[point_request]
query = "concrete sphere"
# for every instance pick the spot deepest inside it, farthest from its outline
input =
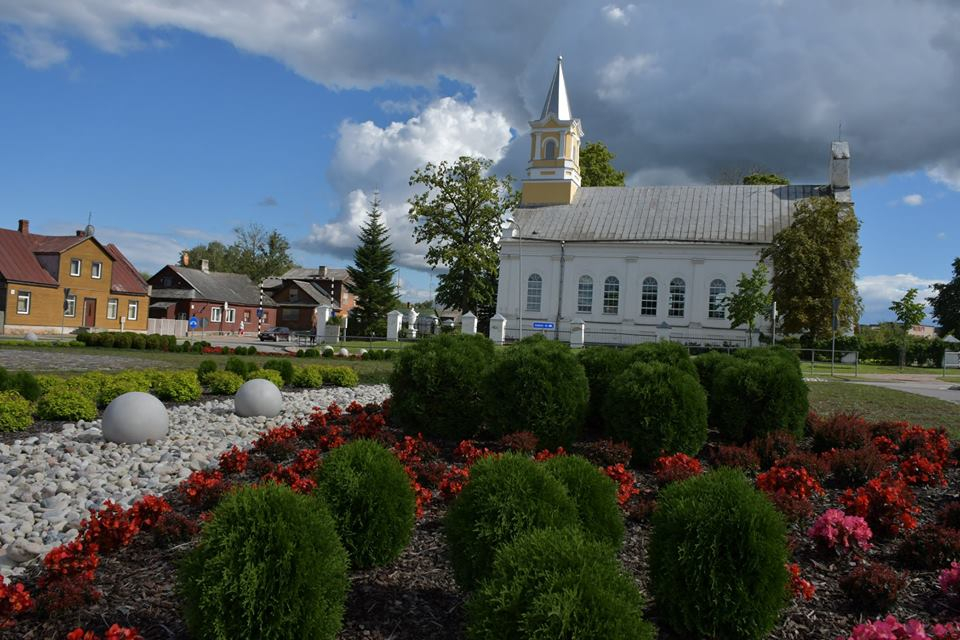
(258, 397)
(363, 352)
(133, 418)
(343, 353)
(30, 337)
(328, 349)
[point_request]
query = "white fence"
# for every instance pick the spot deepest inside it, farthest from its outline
(167, 327)
(951, 360)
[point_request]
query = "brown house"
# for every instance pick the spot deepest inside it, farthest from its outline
(219, 301)
(60, 284)
(297, 302)
(332, 282)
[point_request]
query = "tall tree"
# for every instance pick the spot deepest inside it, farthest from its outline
(459, 217)
(372, 276)
(909, 312)
(255, 252)
(765, 178)
(596, 166)
(815, 259)
(751, 299)
(946, 302)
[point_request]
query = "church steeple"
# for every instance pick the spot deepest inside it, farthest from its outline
(553, 173)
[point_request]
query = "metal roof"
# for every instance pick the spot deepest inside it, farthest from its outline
(125, 278)
(17, 262)
(557, 102)
(234, 288)
(729, 214)
(332, 273)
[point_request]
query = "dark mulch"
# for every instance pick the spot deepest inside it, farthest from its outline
(40, 426)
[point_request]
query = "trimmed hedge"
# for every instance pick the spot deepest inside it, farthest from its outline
(128, 340)
(308, 377)
(205, 368)
(284, 366)
(223, 383)
(340, 376)
(595, 495)
(65, 403)
(177, 386)
(23, 382)
(16, 412)
(267, 374)
(669, 353)
(602, 365)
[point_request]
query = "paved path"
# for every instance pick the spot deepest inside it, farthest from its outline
(43, 360)
(923, 385)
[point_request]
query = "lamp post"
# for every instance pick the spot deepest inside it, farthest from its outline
(519, 278)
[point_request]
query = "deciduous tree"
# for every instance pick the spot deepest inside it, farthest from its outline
(765, 178)
(946, 302)
(909, 312)
(750, 300)
(255, 252)
(372, 276)
(596, 166)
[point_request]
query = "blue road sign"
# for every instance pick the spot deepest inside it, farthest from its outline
(543, 325)
(259, 313)
(194, 323)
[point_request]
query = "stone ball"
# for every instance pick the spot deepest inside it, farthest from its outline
(328, 349)
(258, 397)
(134, 418)
(343, 353)
(31, 337)
(363, 352)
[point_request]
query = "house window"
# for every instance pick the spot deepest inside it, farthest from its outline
(678, 294)
(294, 295)
(216, 314)
(534, 292)
(70, 306)
(132, 310)
(246, 316)
(231, 315)
(23, 302)
(611, 295)
(112, 305)
(96, 271)
(550, 149)
(648, 297)
(585, 295)
(75, 266)
(288, 314)
(718, 289)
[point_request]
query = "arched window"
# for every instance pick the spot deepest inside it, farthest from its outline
(648, 297)
(678, 295)
(611, 295)
(550, 149)
(534, 292)
(585, 295)
(718, 289)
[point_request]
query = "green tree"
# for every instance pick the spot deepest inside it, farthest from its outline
(255, 252)
(750, 300)
(815, 259)
(596, 166)
(215, 253)
(459, 217)
(765, 178)
(372, 276)
(909, 312)
(946, 302)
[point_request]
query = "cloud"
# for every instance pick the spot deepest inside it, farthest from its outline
(36, 50)
(269, 201)
(618, 15)
(913, 200)
(620, 70)
(947, 173)
(879, 291)
(941, 236)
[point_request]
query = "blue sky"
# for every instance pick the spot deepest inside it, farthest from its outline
(174, 123)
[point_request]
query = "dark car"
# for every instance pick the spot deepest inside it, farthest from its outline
(276, 334)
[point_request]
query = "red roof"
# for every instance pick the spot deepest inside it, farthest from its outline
(126, 278)
(17, 262)
(52, 244)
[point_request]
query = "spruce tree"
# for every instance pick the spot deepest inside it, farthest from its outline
(372, 276)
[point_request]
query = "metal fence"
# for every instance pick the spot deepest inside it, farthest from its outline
(827, 362)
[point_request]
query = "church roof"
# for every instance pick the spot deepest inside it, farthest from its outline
(729, 214)
(557, 102)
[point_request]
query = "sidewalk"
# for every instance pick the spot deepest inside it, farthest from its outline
(912, 383)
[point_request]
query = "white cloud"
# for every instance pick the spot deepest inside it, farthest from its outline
(619, 71)
(879, 291)
(913, 200)
(946, 173)
(36, 50)
(941, 236)
(618, 15)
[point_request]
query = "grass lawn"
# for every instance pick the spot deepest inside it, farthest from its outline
(878, 403)
(848, 370)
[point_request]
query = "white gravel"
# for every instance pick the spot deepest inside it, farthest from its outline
(48, 481)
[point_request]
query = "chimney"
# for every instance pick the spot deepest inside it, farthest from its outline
(840, 170)
(23, 226)
(80, 233)
(322, 271)
(205, 266)
(185, 258)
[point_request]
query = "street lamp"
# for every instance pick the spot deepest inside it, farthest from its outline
(519, 278)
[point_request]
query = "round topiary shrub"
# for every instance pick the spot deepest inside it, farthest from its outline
(436, 385)
(284, 366)
(240, 367)
(670, 353)
(267, 374)
(308, 377)
(708, 365)
(16, 412)
(340, 376)
(177, 386)
(601, 364)
(269, 565)
(371, 499)
(65, 403)
(23, 382)
(205, 368)
(118, 384)
(537, 386)
(717, 553)
(595, 495)
(754, 396)
(505, 497)
(657, 409)
(557, 583)
(223, 383)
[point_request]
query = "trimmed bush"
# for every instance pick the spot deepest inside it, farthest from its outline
(65, 403)
(595, 495)
(205, 368)
(552, 583)
(717, 555)
(23, 382)
(269, 565)
(601, 364)
(506, 496)
(177, 386)
(340, 376)
(657, 409)
(16, 412)
(371, 499)
(240, 367)
(284, 366)
(669, 353)
(752, 397)
(537, 386)
(708, 365)
(118, 384)
(436, 385)
(311, 353)
(308, 377)
(223, 383)
(267, 374)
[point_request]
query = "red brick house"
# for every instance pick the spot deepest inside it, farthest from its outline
(297, 302)
(333, 282)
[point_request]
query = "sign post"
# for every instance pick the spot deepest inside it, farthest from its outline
(833, 340)
(773, 323)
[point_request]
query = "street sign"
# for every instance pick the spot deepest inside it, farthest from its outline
(836, 310)
(259, 313)
(194, 323)
(544, 325)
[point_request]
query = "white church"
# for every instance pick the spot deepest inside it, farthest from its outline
(633, 264)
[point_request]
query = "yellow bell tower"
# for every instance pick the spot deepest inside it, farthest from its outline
(553, 173)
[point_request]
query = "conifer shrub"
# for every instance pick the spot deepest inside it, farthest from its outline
(601, 364)
(23, 382)
(595, 495)
(267, 374)
(751, 397)
(540, 387)
(16, 412)
(240, 367)
(436, 386)
(340, 376)
(708, 365)
(223, 383)
(506, 496)
(284, 366)
(269, 565)
(551, 583)
(658, 409)
(308, 377)
(65, 403)
(177, 386)
(717, 554)
(205, 368)
(371, 499)
(669, 353)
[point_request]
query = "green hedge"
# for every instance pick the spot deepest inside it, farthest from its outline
(267, 374)
(340, 376)
(66, 404)
(284, 366)
(23, 382)
(128, 340)
(223, 383)
(669, 353)
(308, 377)
(602, 365)
(16, 412)
(177, 386)
(595, 495)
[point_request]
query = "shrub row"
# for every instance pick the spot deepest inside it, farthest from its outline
(280, 371)
(129, 340)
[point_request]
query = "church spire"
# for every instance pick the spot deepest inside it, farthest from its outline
(557, 102)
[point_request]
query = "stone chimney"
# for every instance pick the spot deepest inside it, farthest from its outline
(185, 258)
(205, 266)
(840, 171)
(322, 271)
(23, 226)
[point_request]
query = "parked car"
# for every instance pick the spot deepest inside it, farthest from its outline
(275, 334)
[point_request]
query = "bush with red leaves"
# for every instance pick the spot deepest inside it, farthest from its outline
(521, 441)
(115, 632)
(841, 431)
(604, 453)
(675, 468)
(453, 482)
(889, 449)
(773, 446)
(15, 600)
(234, 460)
(834, 531)
(147, 511)
(814, 464)
(800, 587)
(735, 457)
(933, 444)
(204, 488)
(889, 429)
(367, 425)
(469, 453)
(886, 503)
(109, 528)
(278, 443)
(626, 482)
(854, 467)
(796, 483)
(173, 528)
(930, 547)
(917, 470)
(872, 587)
(67, 580)
(289, 477)
(546, 454)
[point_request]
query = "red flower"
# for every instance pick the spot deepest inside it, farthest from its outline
(110, 528)
(887, 504)
(146, 511)
(625, 482)
(453, 481)
(14, 600)
(234, 461)
(799, 587)
(674, 468)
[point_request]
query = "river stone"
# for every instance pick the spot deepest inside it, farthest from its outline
(135, 417)
(257, 397)
(30, 337)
